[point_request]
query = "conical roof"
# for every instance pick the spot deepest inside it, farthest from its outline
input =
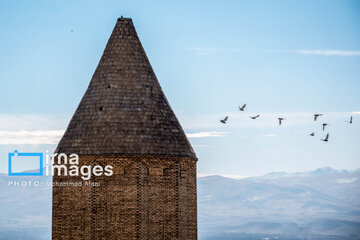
(124, 110)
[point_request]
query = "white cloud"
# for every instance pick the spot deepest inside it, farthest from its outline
(341, 114)
(30, 137)
(44, 129)
(322, 52)
(31, 122)
(206, 134)
(204, 51)
(330, 52)
(31, 128)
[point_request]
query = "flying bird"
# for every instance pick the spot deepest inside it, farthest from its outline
(350, 120)
(312, 134)
(324, 125)
(316, 115)
(224, 120)
(326, 139)
(242, 108)
(280, 120)
(255, 117)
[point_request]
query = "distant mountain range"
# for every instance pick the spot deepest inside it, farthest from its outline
(25, 211)
(320, 204)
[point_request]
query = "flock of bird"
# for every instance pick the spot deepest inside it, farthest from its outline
(316, 116)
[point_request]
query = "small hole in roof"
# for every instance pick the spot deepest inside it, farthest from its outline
(100, 109)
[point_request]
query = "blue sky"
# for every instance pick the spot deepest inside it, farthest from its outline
(282, 58)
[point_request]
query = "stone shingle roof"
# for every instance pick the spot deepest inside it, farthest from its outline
(124, 110)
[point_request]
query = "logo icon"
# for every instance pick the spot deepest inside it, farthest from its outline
(15, 155)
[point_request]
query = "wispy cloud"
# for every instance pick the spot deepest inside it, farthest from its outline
(204, 51)
(341, 114)
(18, 129)
(206, 134)
(30, 137)
(44, 129)
(330, 52)
(17, 122)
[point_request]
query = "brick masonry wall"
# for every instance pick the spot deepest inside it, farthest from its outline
(148, 197)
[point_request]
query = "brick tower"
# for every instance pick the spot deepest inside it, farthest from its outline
(125, 120)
